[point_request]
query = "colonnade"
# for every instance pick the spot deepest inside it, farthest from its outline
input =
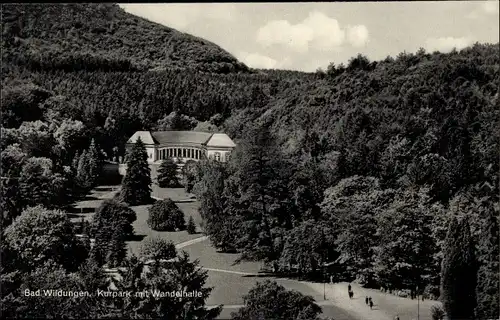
(180, 152)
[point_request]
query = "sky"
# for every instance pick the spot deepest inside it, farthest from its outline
(306, 36)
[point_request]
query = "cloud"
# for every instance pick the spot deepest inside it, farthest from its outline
(181, 15)
(446, 44)
(257, 60)
(357, 35)
(317, 31)
(490, 7)
(260, 61)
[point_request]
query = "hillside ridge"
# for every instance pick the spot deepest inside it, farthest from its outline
(47, 35)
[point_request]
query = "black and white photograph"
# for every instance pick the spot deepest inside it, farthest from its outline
(250, 160)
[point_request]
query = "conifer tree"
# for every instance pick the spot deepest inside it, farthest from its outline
(94, 167)
(487, 290)
(82, 172)
(263, 179)
(458, 273)
(191, 226)
(167, 174)
(74, 163)
(136, 189)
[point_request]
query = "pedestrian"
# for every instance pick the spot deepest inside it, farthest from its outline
(349, 287)
(371, 304)
(351, 294)
(366, 300)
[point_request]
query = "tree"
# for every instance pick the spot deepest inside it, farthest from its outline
(94, 162)
(167, 174)
(180, 275)
(352, 207)
(69, 135)
(459, 271)
(210, 190)
(12, 158)
(262, 200)
(308, 246)
(111, 226)
(190, 171)
(176, 121)
(39, 235)
(487, 290)
(191, 226)
(48, 277)
(268, 300)
(136, 189)
(115, 214)
(405, 252)
(36, 138)
(83, 176)
(165, 215)
(35, 182)
(157, 249)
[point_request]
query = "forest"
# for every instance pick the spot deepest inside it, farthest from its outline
(370, 167)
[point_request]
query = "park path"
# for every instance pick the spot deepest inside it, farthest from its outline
(386, 306)
(190, 242)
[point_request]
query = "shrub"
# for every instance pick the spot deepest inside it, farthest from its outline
(165, 215)
(191, 226)
(269, 300)
(116, 214)
(437, 313)
(157, 249)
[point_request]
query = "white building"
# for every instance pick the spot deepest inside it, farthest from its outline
(182, 146)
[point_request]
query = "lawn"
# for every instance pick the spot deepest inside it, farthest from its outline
(87, 206)
(210, 258)
(142, 230)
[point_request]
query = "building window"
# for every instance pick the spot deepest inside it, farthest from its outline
(217, 156)
(228, 156)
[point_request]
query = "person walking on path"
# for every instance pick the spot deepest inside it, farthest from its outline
(371, 303)
(351, 294)
(349, 287)
(366, 300)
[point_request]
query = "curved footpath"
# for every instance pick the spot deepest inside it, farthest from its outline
(337, 305)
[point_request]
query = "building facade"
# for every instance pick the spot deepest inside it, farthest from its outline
(182, 146)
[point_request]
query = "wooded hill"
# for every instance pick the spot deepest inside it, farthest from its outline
(103, 36)
(418, 121)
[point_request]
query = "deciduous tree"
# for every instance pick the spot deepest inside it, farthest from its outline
(269, 300)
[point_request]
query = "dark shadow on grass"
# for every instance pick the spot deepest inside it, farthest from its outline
(263, 275)
(185, 201)
(104, 189)
(88, 198)
(80, 210)
(136, 237)
(72, 215)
